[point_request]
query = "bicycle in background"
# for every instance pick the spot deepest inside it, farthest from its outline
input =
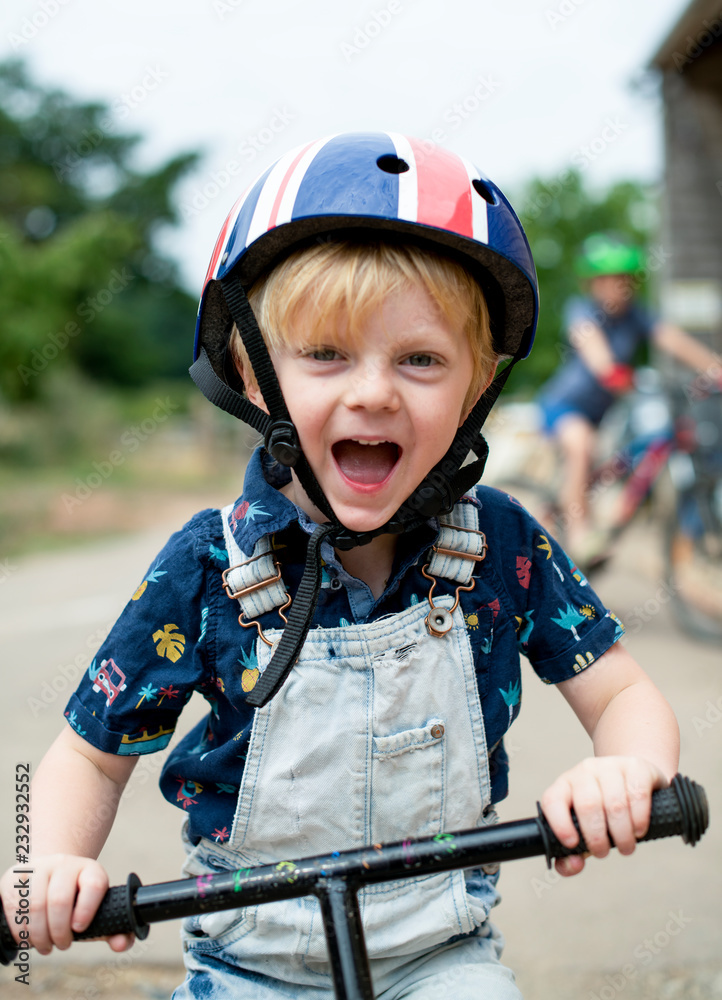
(663, 443)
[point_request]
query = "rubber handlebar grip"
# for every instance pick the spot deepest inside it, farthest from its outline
(116, 914)
(680, 809)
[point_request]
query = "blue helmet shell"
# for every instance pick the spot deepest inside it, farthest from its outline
(366, 184)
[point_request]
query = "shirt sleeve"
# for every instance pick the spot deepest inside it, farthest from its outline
(129, 700)
(579, 310)
(565, 626)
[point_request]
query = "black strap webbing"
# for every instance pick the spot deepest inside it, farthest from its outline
(218, 392)
(240, 309)
(299, 620)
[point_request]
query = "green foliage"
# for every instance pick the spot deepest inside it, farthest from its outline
(82, 285)
(558, 214)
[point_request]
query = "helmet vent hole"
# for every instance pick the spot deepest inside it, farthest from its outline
(391, 164)
(482, 188)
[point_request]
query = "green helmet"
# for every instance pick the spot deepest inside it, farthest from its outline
(604, 254)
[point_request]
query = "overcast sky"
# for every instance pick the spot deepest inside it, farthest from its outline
(521, 87)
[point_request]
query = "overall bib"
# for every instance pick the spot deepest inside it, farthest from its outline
(376, 735)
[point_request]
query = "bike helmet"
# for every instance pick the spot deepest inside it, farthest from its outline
(361, 186)
(604, 254)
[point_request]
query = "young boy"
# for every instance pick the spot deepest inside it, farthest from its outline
(387, 277)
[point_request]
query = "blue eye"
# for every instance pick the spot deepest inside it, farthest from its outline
(324, 354)
(420, 360)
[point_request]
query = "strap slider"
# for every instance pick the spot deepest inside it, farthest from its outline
(238, 594)
(457, 553)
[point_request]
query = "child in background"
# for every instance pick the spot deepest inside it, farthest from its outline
(605, 328)
(359, 299)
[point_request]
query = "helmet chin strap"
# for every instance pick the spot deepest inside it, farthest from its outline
(436, 494)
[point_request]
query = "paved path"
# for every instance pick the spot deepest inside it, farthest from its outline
(621, 927)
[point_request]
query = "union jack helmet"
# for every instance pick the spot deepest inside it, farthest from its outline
(365, 184)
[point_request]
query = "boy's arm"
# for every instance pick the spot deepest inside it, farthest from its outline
(74, 798)
(636, 747)
(590, 342)
(691, 352)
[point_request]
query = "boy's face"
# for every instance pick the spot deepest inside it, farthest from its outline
(614, 292)
(375, 412)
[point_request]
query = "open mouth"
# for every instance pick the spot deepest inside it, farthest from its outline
(366, 463)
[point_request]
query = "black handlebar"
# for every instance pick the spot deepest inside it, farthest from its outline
(680, 809)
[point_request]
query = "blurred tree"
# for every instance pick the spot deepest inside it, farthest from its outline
(558, 214)
(82, 281)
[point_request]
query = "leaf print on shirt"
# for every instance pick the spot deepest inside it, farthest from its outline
(247, 510)
(152, 577)
(545, 546)
(204, 624)
(72, 718)
(511, 697)
(569, 618)
(148, 692)
(169, 692)
(524, 626)
(523, 570)
(169, 642)
(220, 555)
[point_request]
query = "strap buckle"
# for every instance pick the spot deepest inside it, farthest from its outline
(456, 553)
(238, 594)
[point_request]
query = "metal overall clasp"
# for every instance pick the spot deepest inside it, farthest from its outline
(439, 621)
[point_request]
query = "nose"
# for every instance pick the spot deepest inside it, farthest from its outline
(372, 386)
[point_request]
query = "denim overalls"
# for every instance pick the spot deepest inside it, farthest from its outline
(376, 735)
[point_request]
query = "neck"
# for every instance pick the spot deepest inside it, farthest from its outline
(371, 563)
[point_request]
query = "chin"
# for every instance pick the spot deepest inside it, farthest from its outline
(361, 522)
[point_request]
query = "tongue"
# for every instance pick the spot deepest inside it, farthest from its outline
(365, 463)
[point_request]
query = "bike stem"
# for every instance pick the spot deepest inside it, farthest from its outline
(335, 880)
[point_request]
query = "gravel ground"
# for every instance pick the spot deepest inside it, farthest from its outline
(156, 982)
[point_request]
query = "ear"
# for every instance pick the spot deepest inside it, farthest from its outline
(484, 386)
(254, 394)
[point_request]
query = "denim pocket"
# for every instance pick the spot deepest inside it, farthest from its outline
(408, 783)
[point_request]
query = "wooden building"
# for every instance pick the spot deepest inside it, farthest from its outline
(690, 63)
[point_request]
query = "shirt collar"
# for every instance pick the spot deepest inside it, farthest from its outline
(262, 509)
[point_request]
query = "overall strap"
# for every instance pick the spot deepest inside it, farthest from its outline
(255, 582)
(460, 544)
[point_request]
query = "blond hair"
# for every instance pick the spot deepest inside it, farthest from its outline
(344, 283)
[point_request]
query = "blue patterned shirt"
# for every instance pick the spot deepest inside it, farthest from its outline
(179, 633)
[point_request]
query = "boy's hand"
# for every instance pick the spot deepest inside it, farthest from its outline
(607, 793)
(65, 892)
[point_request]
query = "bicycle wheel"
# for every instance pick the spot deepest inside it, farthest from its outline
(693, 549)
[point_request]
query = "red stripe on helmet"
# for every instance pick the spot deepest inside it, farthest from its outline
(444, 189)
(284, 184)
(222, 238)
